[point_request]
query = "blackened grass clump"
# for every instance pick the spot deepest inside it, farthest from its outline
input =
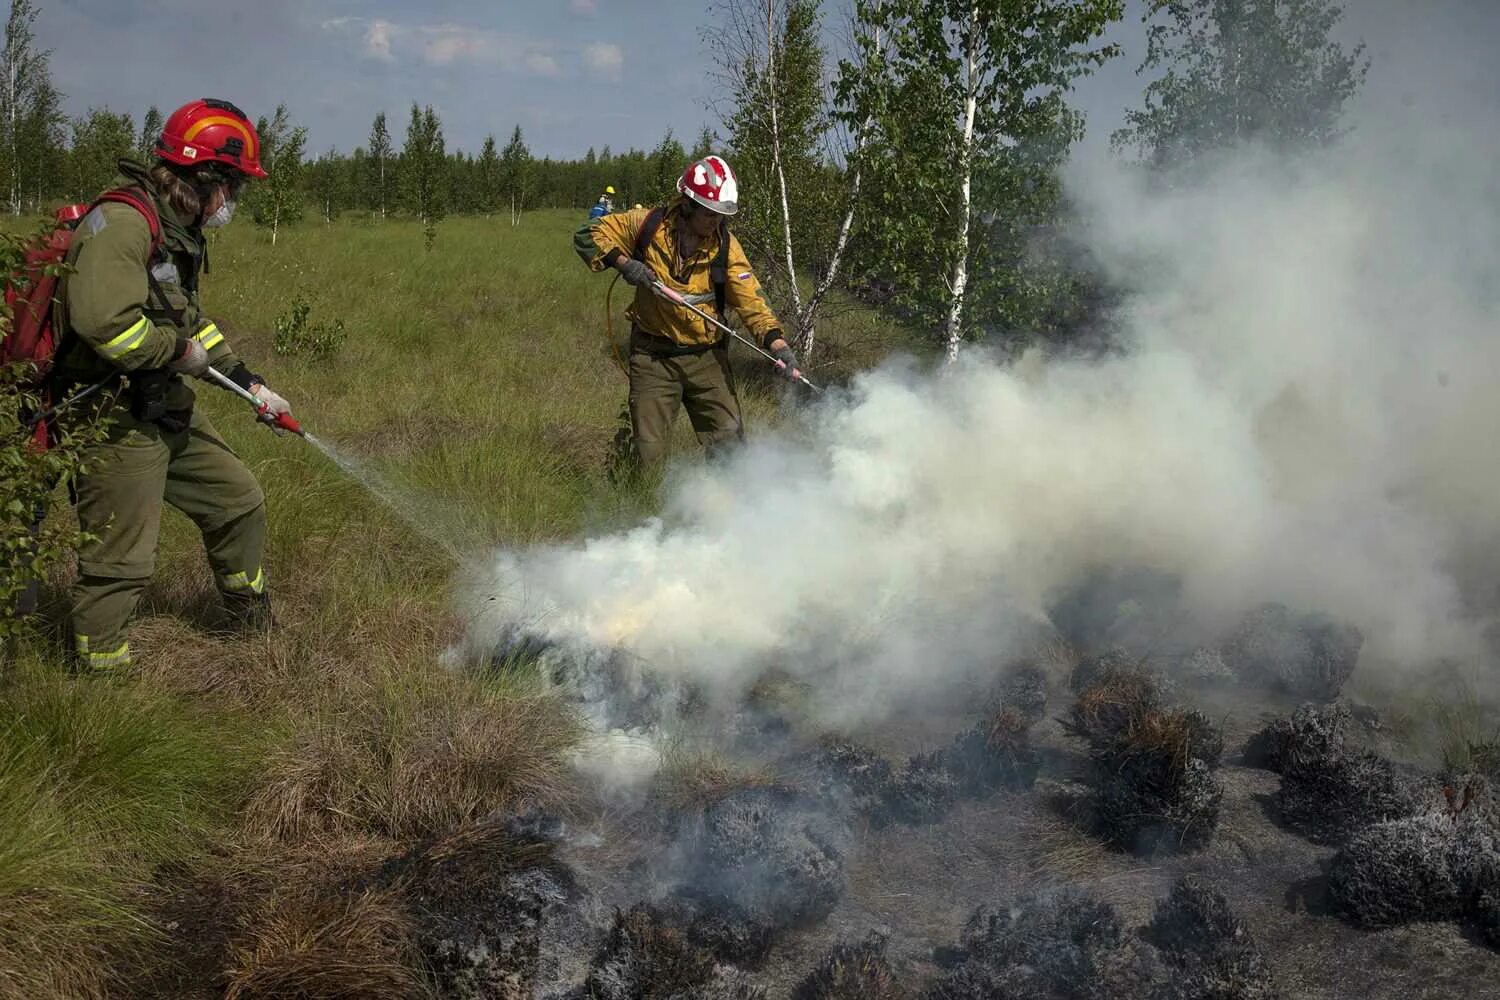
(1069, 945)
(1153, 789)
(1329, 789)
(646, 958)
(851, 972)
(1209, 950)
(756, 863)
(481, 901)
(1306, 655)
(1443, 864)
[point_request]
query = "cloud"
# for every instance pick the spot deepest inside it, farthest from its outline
(583, 6)
(604, 59)
(447, 45)
(378, 40)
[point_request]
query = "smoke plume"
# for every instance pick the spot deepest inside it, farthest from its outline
(1303, 411)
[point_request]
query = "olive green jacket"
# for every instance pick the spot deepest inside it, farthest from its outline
(114, 321)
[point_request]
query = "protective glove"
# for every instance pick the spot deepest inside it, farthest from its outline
(274, 403)
(787, 362)
(636, 273)
(191, 358)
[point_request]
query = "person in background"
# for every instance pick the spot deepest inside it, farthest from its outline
(677, 360)
(605, 204)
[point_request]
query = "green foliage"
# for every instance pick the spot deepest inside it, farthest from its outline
(667, 162)
(424, 171)
(380, 164)
(785, 78)
(915, 228)
(488, 177)
(100, 139)
(29, 548)
(151, 126)
(279, 200)
(1241, 70)
(30, 115)
(515, 174)
(296, 336)
(331, 181)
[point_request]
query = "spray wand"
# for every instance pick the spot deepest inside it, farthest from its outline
(283, 421)
(676, 298)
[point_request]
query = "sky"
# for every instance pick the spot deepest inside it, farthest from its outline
(574, 74)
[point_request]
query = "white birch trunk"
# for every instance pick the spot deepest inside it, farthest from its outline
(960, 278)
(786, 212)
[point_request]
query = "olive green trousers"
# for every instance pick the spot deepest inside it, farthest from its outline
(119, 502)
(701, 383)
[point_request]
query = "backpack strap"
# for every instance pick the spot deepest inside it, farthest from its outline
(718, 270)
(648, 233)
(138, 199)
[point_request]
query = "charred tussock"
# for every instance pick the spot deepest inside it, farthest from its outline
(1329, 790)
(1308, 655)
(995, 755)
(480, 902)
(647, 958)
(1443, 864)
(1068, 945)
(851, 972)
(1152, 789)
(757, 863)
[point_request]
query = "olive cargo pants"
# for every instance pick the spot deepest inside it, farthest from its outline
(702, 383)
(120, 498)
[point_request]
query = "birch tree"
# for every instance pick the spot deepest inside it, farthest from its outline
(1240, 70)
(379, 160)
(515, 173)
(278, 200)
(23, 70)
(424, 168)
(971, 92)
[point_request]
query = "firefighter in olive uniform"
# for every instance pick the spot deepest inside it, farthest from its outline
(677, 360)
(129, 309)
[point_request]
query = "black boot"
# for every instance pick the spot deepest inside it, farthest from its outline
(248, 614)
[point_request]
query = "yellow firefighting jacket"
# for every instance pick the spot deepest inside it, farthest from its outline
(743, 294)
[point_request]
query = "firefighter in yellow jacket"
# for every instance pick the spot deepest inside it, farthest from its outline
(676, 359)
(130, 311)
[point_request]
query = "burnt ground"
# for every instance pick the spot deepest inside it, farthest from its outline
(918, 884)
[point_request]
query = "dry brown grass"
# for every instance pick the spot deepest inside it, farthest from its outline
(413, 755)
(321, 947)
(692, 780)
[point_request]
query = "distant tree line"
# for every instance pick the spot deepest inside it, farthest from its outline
(917, 165)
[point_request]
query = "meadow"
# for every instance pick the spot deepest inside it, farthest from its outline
(173, 835)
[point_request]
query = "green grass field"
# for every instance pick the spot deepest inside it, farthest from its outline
(476, 381)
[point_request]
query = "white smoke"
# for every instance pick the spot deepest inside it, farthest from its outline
(1306, 412)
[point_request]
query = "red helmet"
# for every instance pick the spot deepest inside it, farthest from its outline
(209, 131)
(711, 184)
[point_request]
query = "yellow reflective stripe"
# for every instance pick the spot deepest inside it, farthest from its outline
(108, 660)
(209, 337)
(118, 658)
(128, 341)
(242, 581)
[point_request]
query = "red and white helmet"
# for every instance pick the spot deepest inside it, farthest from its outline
(711, 184)
(209, 131)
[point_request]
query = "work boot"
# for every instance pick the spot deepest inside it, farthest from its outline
(248, 614)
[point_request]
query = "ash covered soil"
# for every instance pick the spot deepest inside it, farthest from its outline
(1213, 825)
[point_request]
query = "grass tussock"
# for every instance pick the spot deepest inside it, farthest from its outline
(318, 946)
(693, 779)
(100, 785)
(410, 756)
